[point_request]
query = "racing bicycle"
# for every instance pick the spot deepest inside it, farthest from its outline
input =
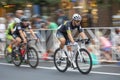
(79, 56)
(25, 53)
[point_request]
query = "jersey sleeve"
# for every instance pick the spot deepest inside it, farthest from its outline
(67, 27)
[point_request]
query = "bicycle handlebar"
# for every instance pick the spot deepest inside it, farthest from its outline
(86, 41)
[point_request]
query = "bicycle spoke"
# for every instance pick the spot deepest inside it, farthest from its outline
(16, 58)
(60, 60)
(84, 61)
(33, 57)
(7, 55)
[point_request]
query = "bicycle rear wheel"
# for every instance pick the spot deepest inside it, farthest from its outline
(16, 58)
(84, 61)
(60, 60)
(7, 55)
(32, 57)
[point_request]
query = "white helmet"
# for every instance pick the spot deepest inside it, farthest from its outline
(17, 20)
(76, 17)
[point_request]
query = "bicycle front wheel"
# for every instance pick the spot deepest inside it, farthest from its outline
(84, 61)
(16, 58)
(32, 57)
(60, 60)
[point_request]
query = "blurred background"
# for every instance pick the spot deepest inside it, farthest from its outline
(95, 13)
(100, 18)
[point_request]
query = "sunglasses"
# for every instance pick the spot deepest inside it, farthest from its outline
(77, 21)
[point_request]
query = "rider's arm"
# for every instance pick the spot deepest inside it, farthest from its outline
(22, 35)
(82, 34)
(21, 32)
(31, 31)
(69, 33)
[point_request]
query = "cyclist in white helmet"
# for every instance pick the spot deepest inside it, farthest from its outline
(64, 33)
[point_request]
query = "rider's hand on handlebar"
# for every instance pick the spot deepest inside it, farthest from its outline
(37, 40)
(87, 41)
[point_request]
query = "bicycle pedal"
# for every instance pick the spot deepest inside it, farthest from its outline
(62, 59)
(69, 63)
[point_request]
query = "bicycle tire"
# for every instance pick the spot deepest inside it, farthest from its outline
(86, 60)
(30, 56)
(16, 58)
(58, 61)
(7, 55)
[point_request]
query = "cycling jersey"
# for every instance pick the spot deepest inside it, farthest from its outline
(10, 27)
(68, 27)
(8, 31)
(65, 28)
(19, 27)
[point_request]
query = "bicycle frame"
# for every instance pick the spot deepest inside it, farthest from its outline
(26, 55)
(65, 58)
(26, 46)
(75, 52)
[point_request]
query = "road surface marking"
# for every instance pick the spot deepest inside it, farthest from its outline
(70, 69)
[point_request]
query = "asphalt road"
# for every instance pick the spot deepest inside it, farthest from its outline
(47, 71)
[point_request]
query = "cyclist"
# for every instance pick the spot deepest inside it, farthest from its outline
(64, 32)
(19, 33)
(9, 33)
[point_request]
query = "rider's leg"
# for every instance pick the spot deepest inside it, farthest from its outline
(62, 42)
(18, 41)
(12, 41)
(62, 39)
(24, 34)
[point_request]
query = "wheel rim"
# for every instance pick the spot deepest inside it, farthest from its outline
(84, 62)
(17, 59)
(61, 61)
(8, 56)
(32, 58)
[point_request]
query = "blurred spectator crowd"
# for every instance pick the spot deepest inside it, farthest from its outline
(39, 23)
